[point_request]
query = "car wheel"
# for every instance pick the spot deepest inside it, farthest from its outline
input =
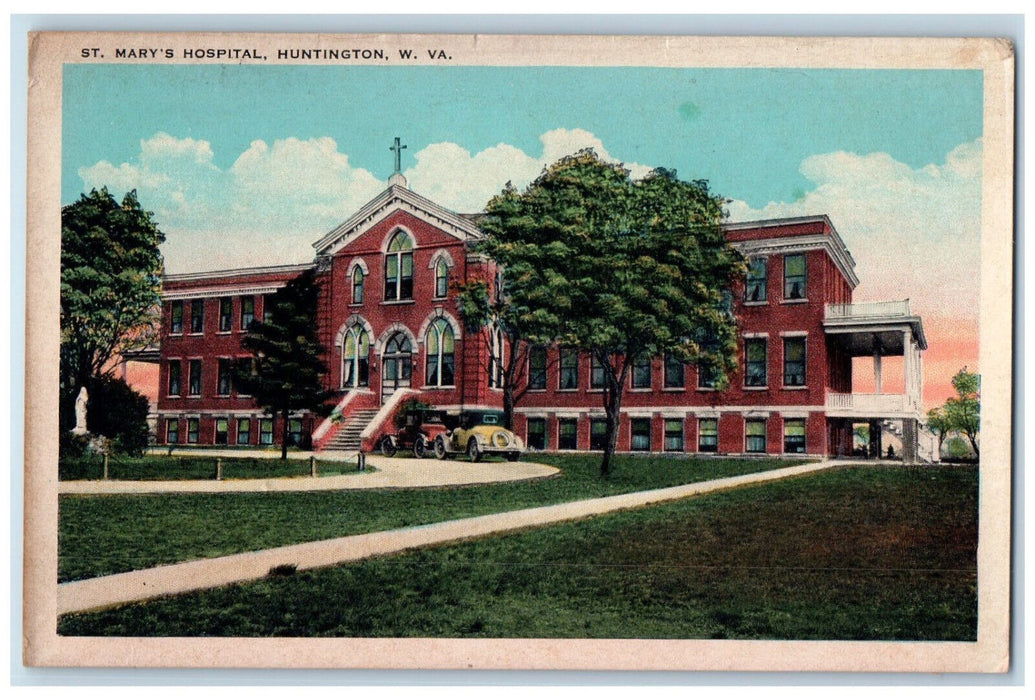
(440, 447)
(513, 456)
(388, 448)
(420, 447)
(472, 450)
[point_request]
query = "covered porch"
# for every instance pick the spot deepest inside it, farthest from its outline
(877, 330)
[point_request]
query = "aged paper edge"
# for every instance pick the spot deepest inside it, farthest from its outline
(43, 647)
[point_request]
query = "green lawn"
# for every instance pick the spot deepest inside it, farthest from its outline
(869, 553)
(107, 534)
(160, 467)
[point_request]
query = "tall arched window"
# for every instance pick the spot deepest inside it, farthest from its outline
(440, 367)
(399, 268)
(357, 285)
(355, 358)
(441, 278)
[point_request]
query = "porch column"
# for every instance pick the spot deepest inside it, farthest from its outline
(876, 369)
(875, 440)
(907, 364)
(909, 441)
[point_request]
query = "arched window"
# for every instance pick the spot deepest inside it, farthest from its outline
(440, 367)
(355, 358)
(441, 278)
(399, 268)
(357, 285)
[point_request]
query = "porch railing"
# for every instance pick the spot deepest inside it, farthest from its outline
(868, 309)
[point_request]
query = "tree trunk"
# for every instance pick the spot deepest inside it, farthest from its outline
(973, 444)
(613, 410)
(284, 437)
(508, 404)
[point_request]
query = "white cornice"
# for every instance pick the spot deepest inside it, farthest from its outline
(831, 243)
(237, 272)
(222, 291)
(395, 198)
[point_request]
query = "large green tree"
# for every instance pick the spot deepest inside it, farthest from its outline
(623, 269)
(111, 272)
(287, 372)
(963, 411)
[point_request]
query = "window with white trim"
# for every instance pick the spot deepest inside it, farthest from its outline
(755, 362)
(569, 374)
(176, 317)
(197, 316)
(244, 431)
(794, 435)
(794, 361)
(537, 367)
(708, 435)
(755, 288)
(440, 348)
(226, 314)
(175, 377)
(247, 312)
(754, 435)
(441, 278)
(399, 268)
(172, 431)
(794, 276)
(355, 357)
(357, 285)
(194, 378)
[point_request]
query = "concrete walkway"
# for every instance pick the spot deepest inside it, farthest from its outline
(106, 591)
(388, 472)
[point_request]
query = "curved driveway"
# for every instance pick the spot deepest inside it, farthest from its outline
(388, 472)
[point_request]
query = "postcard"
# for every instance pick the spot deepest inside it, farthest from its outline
(519, 352)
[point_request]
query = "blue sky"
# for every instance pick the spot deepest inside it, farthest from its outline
(745, 131)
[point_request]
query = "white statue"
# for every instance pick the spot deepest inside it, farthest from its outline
(80, 412)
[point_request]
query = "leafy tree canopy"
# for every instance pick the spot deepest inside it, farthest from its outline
(111, 272)
(619, 268)
(963, 411)
(287, 372)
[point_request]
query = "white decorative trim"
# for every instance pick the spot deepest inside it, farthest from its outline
(391, 200)
(361, 264)
(392, 330)
(831, 243)
(392, 232)
(754, 335)
(214, 292)
(237, 272)
(444, 254)
(437, 313)
(351, 321)
(794, 334)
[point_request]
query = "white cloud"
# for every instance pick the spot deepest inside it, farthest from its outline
(914, 232)
(276, 199)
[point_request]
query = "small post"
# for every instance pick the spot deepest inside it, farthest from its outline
(361, 461)
(105, 466)
(312, 466)
(219, 468)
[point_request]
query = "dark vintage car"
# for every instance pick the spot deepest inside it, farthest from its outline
(418, 429)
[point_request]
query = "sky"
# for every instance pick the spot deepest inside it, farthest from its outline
(249, 165)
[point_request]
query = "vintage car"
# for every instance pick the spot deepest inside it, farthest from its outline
(479, 433)
(418, 429)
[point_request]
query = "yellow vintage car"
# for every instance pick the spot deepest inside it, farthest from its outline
(479, 433)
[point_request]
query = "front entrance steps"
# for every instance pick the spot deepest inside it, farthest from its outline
(347, 438)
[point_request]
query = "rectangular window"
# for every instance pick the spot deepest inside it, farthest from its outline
(640, 428)
(247, 312)
(194, 378)
(755, 362)
(536, 433)
(794, 361)
(265, 431)
(794, 435)
(756, 281)
(597, 434)
(193, 430)
(244, 431)
(754, 431)
(225, 383)
(537, 368)
(708, 435)
(673, 435)
(226, 314)
(794, 277)
(244, 366)
(295, 432)
(197, 316)
(175, 369)
(569, 375)
(222, 431)
(176, 317)
(567, 434)
(267, 308)
(707, 376)
(596, 372)
(172, 431)
(675, 372)
(641, 371)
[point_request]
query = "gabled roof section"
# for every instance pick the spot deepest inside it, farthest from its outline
(395, 198)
